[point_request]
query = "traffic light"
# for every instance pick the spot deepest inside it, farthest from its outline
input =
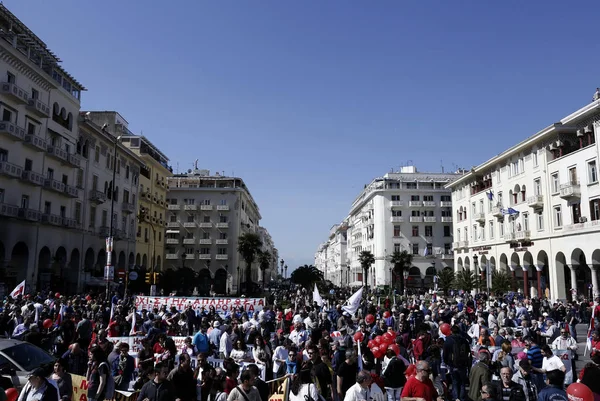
(148, 278)
(156, 277)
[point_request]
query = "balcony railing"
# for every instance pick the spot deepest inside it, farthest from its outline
(190, 224)
(445, 204)
(479, 217)
(428, 203)
(58, 153)
(397, 203)
(535, 201)
(204, 256)
(456, 245)
(497, 211)
(221, 242)
(7, 210)
(205, 241)
(222, 225)
(206, 225)
(71, 191)
(223, 207)
(172, 241)
(54, 185)
(430, 219)
(11, 170)
(12, 131)
(52, 219)
(416, 219)
(206, 207)
(74, 160)
(463, 244)
(174, 207)
(222, 257)
(173, 224)
(510, 237)
(570, 190)
(523, 235)
(38, 107)
(29, 214)
(189, 241)
(36, 143)
(69, 223)
(190, 207)
(14, 92)
(446, 219)
(97, 196)
(397, 219)
(172, 256)
(447, 255)
(128, 207)
(415, 203)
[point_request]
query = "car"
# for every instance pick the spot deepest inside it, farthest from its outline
(18, 359)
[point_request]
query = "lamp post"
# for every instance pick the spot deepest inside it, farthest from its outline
(110, 240)
(282, 262)
(476, 266)
(405, 276)
(285, 268)
(348, 274)
(238, 281)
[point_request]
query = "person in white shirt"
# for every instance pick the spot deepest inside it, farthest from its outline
(473, 331)
(279, 358)
(225, 345)
(298, 336)
(551, 361)
(364, 389)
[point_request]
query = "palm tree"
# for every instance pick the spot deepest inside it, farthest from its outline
(466, 280)
(502, 282)
(306, 276)
(366, 260)
(264, 261)
(249, 245)
(402, 261)
(446, 280)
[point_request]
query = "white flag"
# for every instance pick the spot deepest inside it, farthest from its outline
(352, 304)
(317, 297)
(133, 322)
(19, 290)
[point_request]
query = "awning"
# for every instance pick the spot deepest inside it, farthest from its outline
(172, 231)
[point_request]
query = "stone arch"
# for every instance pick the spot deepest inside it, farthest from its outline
(561, 265)
(430, 271)
(596, 257)
(493, 264)
(467, 263)
(122, 260)
(130, 260)
(19, 260)
(44, 264)
(582, 271)
(89, 259)
(483, 262)
(204, 282)
(528, 261)
(459, 265)
(73, 272)
(145, 261)
(504, 263)
(220, 282)
(515, 261)
(101, 262)
(543, 274)
(138, 260)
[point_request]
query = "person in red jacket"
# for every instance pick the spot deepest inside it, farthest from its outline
(420, 387)
(421, 345)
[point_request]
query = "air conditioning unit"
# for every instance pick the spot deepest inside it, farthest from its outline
(582, 219)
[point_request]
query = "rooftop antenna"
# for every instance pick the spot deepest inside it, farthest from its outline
(442, 165)
(196, 164)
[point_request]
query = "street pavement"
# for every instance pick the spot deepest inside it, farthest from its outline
(581, 342)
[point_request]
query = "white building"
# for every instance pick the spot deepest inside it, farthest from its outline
(551, 180)
(331, 255)
(207, 214)
(268, 246)
(404, 210)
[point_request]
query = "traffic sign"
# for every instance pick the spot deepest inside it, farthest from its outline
(133, 276)
(109, 273)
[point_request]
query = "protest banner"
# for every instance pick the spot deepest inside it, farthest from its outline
(222, 305)
(565, 357)
(80, 388)
(282, 392)
(218, 363)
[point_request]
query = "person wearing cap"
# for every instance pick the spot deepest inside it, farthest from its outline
(525, 379)
(215, 335)
(38, 388)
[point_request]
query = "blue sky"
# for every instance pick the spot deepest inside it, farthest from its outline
(309, 100)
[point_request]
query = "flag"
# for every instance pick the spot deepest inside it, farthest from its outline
(317, 297)
(282, 392)
(352, 304)
(110, 319)
(19, 290)
(588, 343)
(490, 195)
(133, 323)
(425, 251)
(359, 359)
(61, 314)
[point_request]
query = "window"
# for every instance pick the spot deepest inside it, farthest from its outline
(573, 175)
(223, 202)
(396, 231)
(499, 177)
(428, 231)
(525, 220)
(63, 212)
(92, 216)
(397, 248)
(190, 218)
(534, 158)
(79, 181)
(3, 155)
(204, 251)
(126, 172)
(415, 213)
(576, 213)
(491, 228)
(448, 249)
(415, 249)
(481, 206)
(555, 183)
(6, 114)
(35, 94)
(28, 164)
(222, 218)
(97, 154)
(414, 197)
(594, 209)
(1, 195)
(429, 249)
(557, 217)
(397, 213)
(31, 128)
(187, 201)
(222, 235)
(475, 238)
(499, 197)
(592, 172)
(466, 234)
(473, 209)
(24, 202)
(445, 198)
(50, 174)
(205, 235)
(206, 202)
(458, 233)
(206, 219)
(428, 198)
(47, 207)
(411, 185)
(104, 220)
(78, 212)
(501, 225)
(95, 183)
(395, 197)
(539, 217)
(222, 251)
(537, 186)
(447, 231)
(10, 78)
(415, 231)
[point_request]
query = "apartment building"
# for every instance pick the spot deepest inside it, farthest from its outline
(268, 246)
(534, 210)
(40, 193)
(331, 256)
(405, 210)
(98, 146)
(207, 214)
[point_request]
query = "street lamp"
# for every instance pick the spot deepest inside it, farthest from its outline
(110, 239)
(282, 262)
(476, 266)
(238, 281)
(348, 274)
(285, 268)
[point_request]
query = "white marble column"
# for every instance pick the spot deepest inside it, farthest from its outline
(573, 280)
(595, 289)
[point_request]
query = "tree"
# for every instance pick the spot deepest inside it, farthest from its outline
(466, 280)
(249, 245)
(502, 282)
(366, 260)
(446, 280)
(264, 261)
(402, 261)
(306, 276)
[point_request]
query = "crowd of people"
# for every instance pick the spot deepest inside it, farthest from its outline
(469, 349)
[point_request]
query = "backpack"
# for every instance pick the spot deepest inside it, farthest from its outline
(109, 389)
(461, 353)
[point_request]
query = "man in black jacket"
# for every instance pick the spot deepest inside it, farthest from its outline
(261, 386)
(509, 390)
(159, 389)
(393, 376)
(458, 369)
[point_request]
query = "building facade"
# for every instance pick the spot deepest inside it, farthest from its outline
(533, 211)
(207, 214)
(401, 211)
(268, 246)
(41, 192)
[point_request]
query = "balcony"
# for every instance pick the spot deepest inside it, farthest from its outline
(222, 257)
(172, 256)
(190, 208)
(397, 203)
(74, 160)
(190, 224)
(223, 208)
(29, 214)
(128, 208)
(189, 241)
(119, 234)
(97, 196)
(38, 108)
(206, 207)
(36, 143)
(54, 185)
(497, 211)
(172, 241)
(71, 191)
(69, 223)
(430, 219)
(190, 256)
(535, 201)
(12, 131)
(204, 256)
(206, 225)
(222, 225)
(510, 237)
(463, 244)
(397, 219)
(174, 207)
(173, 224)
(52, 219)
(479, 217)
(104, 231)
(415, 203)
(523, 235)
(447, 255)
(456, 245)
(570, 191)
(445, 204)
(58, 153)
(428, 203)
(416, 219)
(205, 241)
(222, 242)
(12, 91)
(11, 170)
(446, 219)
(7, 210)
